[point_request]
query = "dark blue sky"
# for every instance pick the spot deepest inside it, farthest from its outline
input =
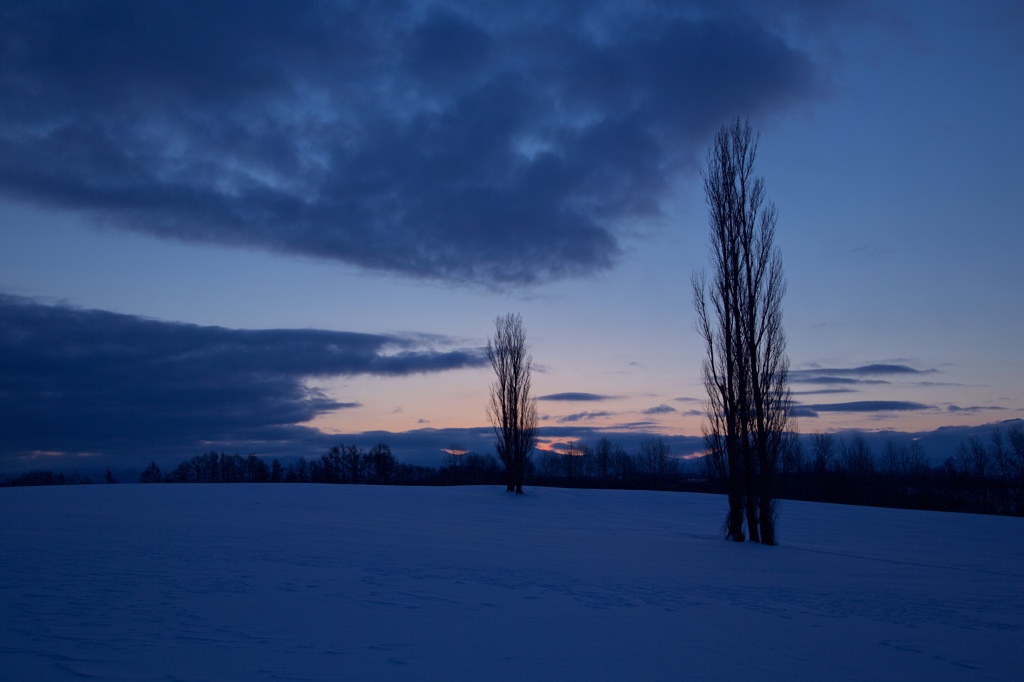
(234, 224)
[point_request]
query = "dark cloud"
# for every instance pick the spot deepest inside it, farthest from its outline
(826, 379)
(574, 396)
(972, 409)
(581, 416)
(637, 425)
(825, 391)
(882, 369)
(439, 140)
(859, 406)
(660, 409)
(855, 375)
(88, 381)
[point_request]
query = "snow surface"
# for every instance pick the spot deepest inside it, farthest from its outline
(312, 582)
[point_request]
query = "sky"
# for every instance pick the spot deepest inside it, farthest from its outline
(274, 227)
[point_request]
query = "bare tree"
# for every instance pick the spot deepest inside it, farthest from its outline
(151, 474)
(352, 463)
(857, 458)
(576, 458)
(603, 458)
(739, 317)
(512, 410)
(654, 459)
(331, 465)
(1009, 463)
(381, 462)
(823, 451)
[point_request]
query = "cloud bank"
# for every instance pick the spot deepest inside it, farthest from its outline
(95, 382)
(502, 144)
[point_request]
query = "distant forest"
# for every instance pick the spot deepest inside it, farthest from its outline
(982, 476)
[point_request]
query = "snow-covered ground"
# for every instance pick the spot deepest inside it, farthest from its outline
(311, 582)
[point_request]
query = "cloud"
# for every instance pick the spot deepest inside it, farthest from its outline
(859, 406)
(660, 409)
(855, 375)
(91, 381)
(500, 144)
(798, 411)
(825, 391)
(575, 397)
(881, 369)
(972, 409)
(581, 416)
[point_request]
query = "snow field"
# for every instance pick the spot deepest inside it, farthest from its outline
(328, 582)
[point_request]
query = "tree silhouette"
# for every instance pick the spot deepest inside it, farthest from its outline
(151, 474)
(739, 317)
(512, 410)
(382, 463)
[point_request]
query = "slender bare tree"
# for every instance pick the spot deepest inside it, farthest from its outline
(739, 317)
(512, 410)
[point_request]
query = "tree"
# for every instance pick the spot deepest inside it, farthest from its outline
(185, 472)
(574, 460)
(1009, 462)
(299, 472)
(603, 458)
(381, 463)
(856, 472)
(739, 318)
(256, 470)
(331, 465)
(512, 410)
(823, 451)
(654, 460)
(151, 474)
(352, 462)
(276, 471)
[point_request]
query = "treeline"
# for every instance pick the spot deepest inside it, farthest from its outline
(985, 477)
(605, 465)
(340, 464)
(982, 476)
(46, 477)
(608, 465)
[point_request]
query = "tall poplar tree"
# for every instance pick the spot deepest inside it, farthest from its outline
(739, 318)
(512, 409)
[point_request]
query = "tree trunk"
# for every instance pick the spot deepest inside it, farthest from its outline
(735, 494)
